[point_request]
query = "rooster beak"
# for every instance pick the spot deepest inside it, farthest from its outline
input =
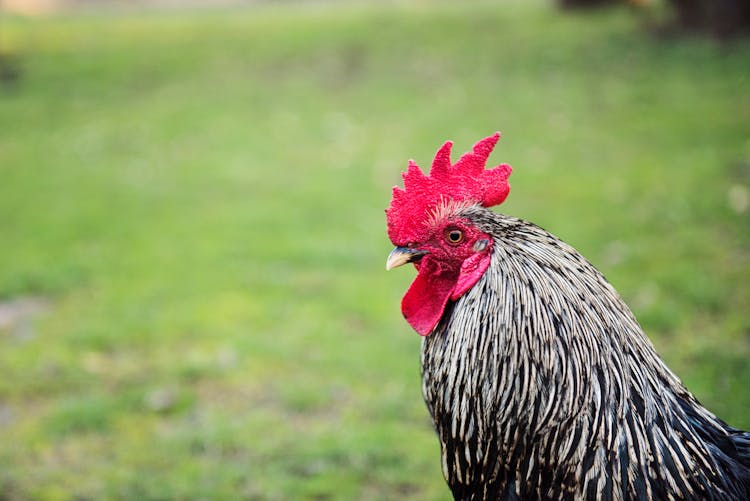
(402, 255)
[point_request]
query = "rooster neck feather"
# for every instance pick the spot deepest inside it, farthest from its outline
(542, 385)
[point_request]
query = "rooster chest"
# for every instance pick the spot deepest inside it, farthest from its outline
(485, 399)
(460, 384)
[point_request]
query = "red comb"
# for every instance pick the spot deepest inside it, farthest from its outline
(465, 181)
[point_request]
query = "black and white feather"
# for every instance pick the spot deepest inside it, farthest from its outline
(542, 385)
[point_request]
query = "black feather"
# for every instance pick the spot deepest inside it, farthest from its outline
(544, 376)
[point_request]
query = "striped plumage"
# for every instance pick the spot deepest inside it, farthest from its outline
(542, 385)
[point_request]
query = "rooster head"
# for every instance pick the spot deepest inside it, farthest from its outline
(425, 224)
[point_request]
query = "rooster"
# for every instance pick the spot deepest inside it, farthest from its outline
(540, 382)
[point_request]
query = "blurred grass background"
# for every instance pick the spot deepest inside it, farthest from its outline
(193, 303)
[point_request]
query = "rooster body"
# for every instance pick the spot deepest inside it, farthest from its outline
(540, 381)
(542, 385)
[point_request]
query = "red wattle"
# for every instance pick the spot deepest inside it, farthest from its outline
(424, 302)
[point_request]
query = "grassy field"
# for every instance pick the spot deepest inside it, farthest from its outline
(192, 238)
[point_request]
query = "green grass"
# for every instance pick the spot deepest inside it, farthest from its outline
(197, 199)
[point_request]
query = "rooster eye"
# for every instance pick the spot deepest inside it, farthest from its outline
(454, 236)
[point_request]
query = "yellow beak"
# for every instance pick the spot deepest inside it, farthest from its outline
(402, 255)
